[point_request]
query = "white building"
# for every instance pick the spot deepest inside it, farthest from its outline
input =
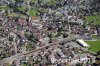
(82, 43)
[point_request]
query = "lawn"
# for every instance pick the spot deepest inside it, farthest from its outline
(13, 14)
(48, 1)
(21, 8)
(95, 45)
(33, 12)
(24, 65)
(4, 7)
(34, 0)
(95, 18)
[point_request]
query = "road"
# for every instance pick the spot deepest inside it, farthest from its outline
(21, 55)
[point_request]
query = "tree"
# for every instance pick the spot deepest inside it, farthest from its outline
(16, 1)
(30, 37)
(79, 64)
(50, 36)
(98, 53)
(10, 38)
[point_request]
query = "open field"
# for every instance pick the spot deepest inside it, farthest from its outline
(95, 45)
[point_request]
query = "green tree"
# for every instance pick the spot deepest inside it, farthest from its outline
(79, 64)
(98, 53)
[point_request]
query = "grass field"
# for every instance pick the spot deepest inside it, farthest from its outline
(4, 7)
(95, 45)
(33, 12)
(95, 18)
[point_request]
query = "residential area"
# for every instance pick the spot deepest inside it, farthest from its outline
(49, 33)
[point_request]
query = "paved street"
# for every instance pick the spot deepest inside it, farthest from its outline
(19, 56)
